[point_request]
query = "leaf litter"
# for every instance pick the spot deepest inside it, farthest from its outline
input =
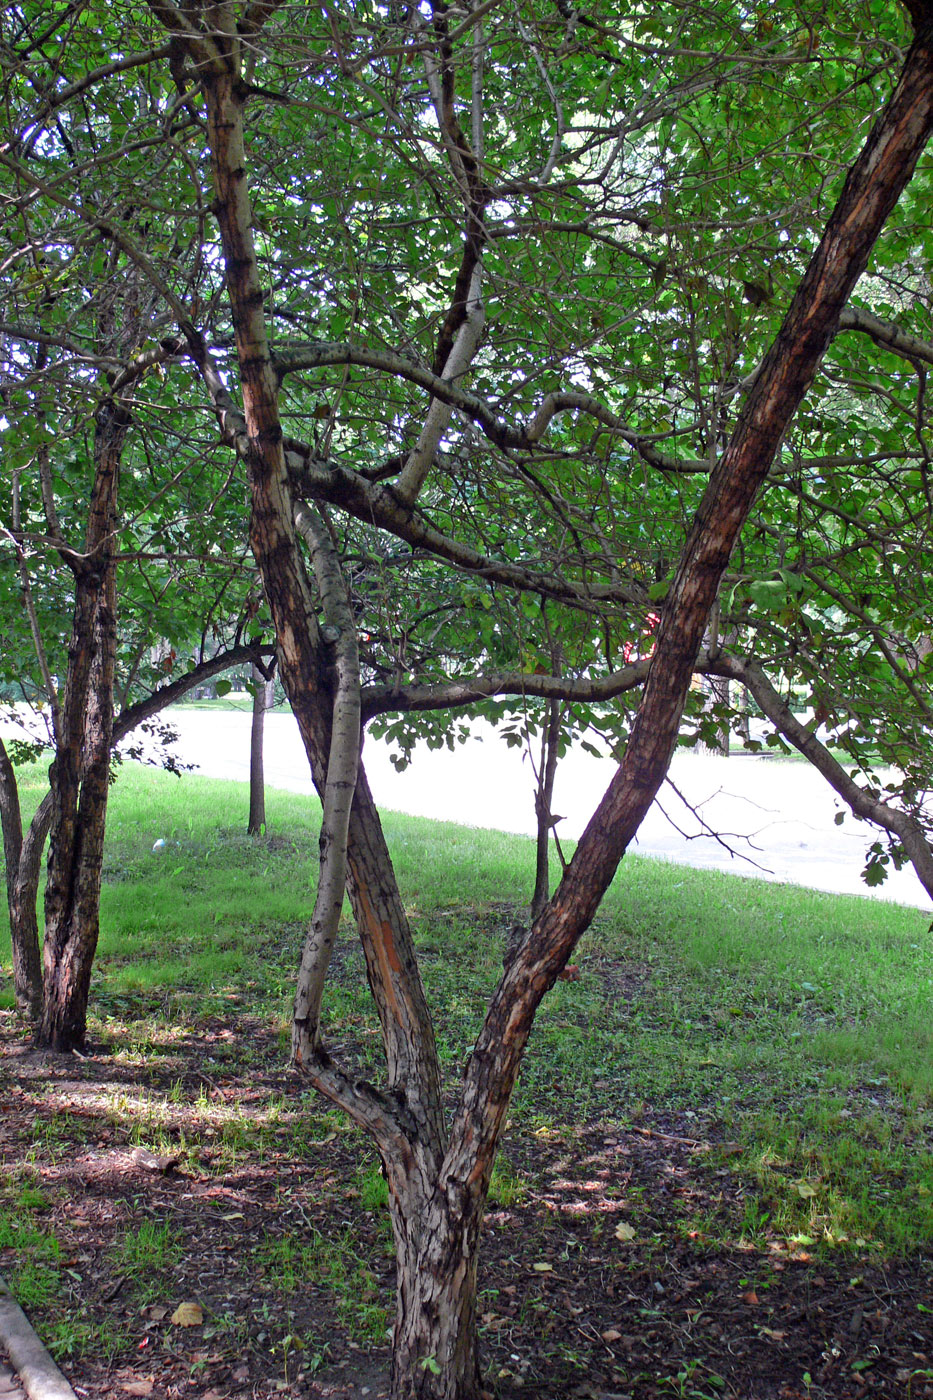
(280, 1281)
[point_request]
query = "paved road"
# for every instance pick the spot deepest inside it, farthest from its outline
(775, 816)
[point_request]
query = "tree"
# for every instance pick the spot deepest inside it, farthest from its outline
(74, 371)
(500, 397)
(263, 686)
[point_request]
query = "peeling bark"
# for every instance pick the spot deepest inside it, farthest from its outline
(79, 776)
(438, 1184)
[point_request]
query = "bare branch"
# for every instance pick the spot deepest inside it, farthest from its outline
(886, 333)
(908, 830)
(470, 690)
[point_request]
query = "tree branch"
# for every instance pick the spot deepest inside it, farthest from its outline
(908, 830)
(339, 632)
(886, 333)
(166, 695)
(469, 690)
(522, 438)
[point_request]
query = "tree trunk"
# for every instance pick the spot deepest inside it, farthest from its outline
(262, 700)
(436, 1205)
(436, 1353)
(544, 796)
(22, 861)
(80, 774)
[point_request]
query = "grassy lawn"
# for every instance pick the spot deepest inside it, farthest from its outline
(785, 1036)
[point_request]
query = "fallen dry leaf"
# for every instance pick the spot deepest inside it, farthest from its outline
(612, 1335)
(543, 1268)
(624, 1232)
(188, 1315)
(751, 1298)
(805, 1190)
(137, 1387)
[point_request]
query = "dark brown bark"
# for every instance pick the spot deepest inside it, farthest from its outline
(870, 192)
(79, 777)
(22, 864)
(436, 1193)
(262, 699)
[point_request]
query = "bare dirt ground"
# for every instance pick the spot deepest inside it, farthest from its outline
(568, 1308)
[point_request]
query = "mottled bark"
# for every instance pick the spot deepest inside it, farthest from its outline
(437, 1187)
(79, 776)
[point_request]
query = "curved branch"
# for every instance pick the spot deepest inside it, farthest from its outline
(166, 695)
(469, 690)
(908, 830)
(521, 438)
(886, 333)
(97, 75)
(379, 505)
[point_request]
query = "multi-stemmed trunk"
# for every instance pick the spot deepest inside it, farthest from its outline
(438, 1178)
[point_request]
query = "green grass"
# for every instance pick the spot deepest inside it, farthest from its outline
(798, 1024)
(289, 1262)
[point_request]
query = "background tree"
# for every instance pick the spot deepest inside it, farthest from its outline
(87, 421)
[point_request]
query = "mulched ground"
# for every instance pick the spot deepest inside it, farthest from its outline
(569, 1308)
